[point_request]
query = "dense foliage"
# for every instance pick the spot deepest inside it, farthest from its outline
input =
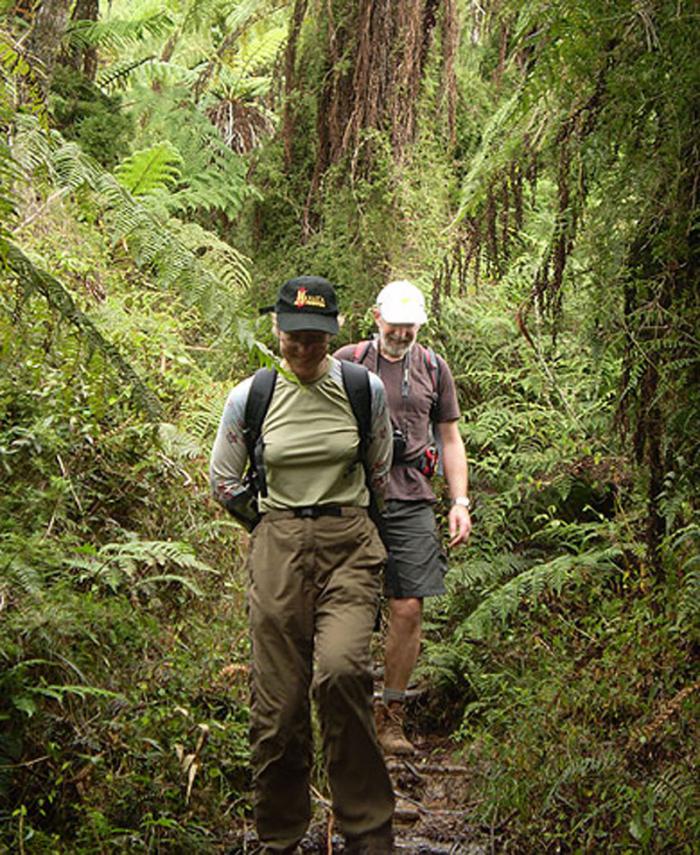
(534, 167)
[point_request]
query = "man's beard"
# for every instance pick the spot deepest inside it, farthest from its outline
(396, 349)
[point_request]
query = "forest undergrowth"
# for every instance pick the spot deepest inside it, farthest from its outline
(158, 181)
(561, 674)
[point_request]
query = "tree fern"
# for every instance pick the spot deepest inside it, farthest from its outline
(213, 176)
(154, 244)
(150, 169)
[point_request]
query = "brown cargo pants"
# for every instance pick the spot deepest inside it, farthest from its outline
(314, 588)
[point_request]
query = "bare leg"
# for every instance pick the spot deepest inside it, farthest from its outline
(402, 642)
(400, 657)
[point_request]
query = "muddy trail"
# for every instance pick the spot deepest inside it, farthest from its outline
(432, 809)
(433, 802)
(432, 814)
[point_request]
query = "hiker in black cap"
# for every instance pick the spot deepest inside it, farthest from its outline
(314, 565)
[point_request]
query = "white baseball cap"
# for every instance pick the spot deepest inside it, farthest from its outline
(401, 303)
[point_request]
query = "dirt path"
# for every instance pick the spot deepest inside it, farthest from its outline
(432, 812)
(433, 801)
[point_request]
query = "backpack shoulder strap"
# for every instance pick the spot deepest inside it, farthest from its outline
(361, 351)
(357, 388)
(359, 391)
(257, 405)
(433, 367)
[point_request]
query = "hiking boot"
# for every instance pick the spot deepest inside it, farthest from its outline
(389, 721)
(377, 842)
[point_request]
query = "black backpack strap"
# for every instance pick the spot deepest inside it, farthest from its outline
(358, 390)
(256, 407)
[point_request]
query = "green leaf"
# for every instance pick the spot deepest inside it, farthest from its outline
(150, 169)
(25, 704)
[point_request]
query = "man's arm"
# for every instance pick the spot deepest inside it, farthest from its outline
(454, 463)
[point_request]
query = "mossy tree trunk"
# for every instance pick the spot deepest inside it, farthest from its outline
(374, 58)
(44, 42)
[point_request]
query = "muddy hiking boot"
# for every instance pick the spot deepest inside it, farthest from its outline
(377, 842)
(390, 721)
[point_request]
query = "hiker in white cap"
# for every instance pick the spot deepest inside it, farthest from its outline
(425, 415)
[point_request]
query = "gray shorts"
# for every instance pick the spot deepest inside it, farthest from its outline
(416, 565)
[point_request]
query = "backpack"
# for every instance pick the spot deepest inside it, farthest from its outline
(357, 388)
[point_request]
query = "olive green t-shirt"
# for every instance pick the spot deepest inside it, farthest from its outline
(311, 446)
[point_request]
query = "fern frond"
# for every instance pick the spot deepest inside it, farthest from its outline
(121, 73)
(678, 788)
(117, 565)
(229, 265)
(34, 278)
(491, 156)
(179, 444)
(153, 553)
(685, 551)
(150, 169)
(581, 769)
(59, 692)
(485, 572)
(527, 587)
(20, 576)
(117, 35)
(689, 605)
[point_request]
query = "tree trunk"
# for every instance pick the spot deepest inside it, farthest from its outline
(376, 53)
(44, 41)
(85, 59)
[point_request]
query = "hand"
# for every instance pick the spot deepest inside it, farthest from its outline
(460, 525)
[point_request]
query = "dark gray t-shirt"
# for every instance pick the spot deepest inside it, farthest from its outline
(412, 413)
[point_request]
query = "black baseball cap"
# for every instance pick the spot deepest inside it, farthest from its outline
(307, 303)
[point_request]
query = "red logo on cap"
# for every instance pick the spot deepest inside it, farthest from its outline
(301, 297)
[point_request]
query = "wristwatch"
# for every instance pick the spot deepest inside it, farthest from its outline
(464, 501)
